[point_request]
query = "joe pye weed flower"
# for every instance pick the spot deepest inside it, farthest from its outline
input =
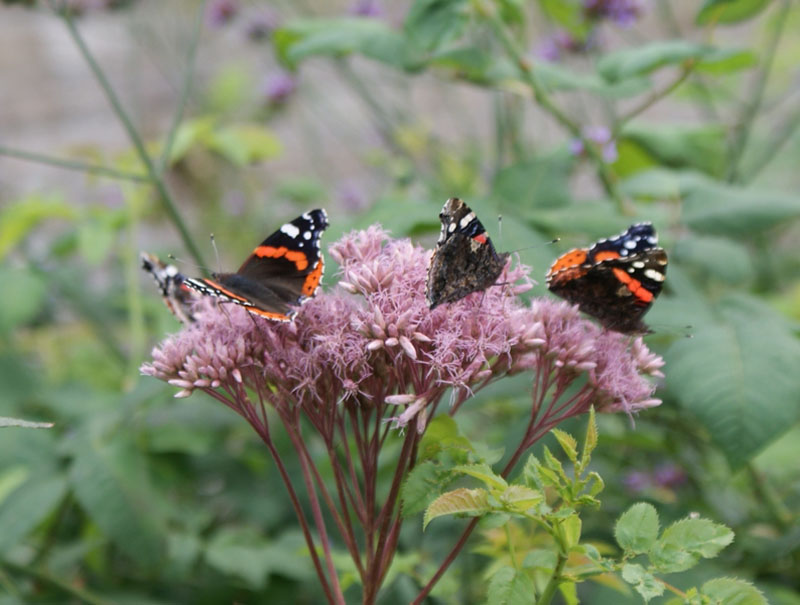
(367, 363)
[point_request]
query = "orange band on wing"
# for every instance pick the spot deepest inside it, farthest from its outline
(270, 314)
(313, 279)
(299, 259)
(216, 286)
(481, 239)
(605, 255)
(570, 260)
(634, 285)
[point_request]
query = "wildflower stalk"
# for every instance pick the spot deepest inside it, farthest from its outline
(607, 178)
(155, 179)
(70, 164)
(354, 369)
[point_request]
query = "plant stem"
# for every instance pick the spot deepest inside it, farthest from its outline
(608, 180)
(750, 112)
(555, 579)
(133, 135)
(654, 97)
(67, 164)
(186, 87)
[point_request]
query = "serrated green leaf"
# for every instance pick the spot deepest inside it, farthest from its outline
(590, 442)
(441, 435)
(519, 498)
(482, 472)
(637, 528)
(27, 506)
(5, 421)
(739, 377)
(509, 586)
(541, 559)
(644, 59)
(554, 464)
(643, 582)
(422, 486)
(684, 542)
(567, 443)
(108, 482)
(732, 591)
(729, 11)
(571, 528)
(464, 501)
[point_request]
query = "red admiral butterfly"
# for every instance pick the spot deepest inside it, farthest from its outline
(465, 260)
(177, 296)
(281, 273)
(616, 280)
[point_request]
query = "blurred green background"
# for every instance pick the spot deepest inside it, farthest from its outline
(252, 112)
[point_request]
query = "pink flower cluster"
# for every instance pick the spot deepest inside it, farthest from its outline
(372, 344)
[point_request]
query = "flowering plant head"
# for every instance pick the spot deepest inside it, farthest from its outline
(371, 344)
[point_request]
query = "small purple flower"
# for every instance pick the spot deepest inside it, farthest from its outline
(366, 8)
(623, 12)
(669, 475)
(637, 481)
(601, 136)
(278, 87)
(221, 12)
(554, 47)
(261, 25)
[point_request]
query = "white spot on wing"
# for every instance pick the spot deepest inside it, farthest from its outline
(290, 230)
(654, 275)
(468, 218)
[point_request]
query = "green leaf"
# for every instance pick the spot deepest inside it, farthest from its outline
(541, 559)
(5, 421)
(19, 219)
(590, 442)
(543, 181)
(684, 542)
(442, 435)
(725, 61)
(519, 498)
(567, 443)
(422, 486)
(108, 483)
(482, 472)
(509, 586)
(554, 77)
(244, 144)
(739, 377)
(432, 24)
(27, 506)
(571, 527)
(642, 60)
(569, 15)
(725, 210)
(30, 291)
(243, 553)
(676, 146)
(715, 258)
(729, 11)
(637, 528)
(472, 502)
(732, 591)
(644, 582)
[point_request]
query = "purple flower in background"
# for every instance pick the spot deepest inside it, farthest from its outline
(637, 481)
(366, 8)
(261, 25)
(221, 12)
(601, 136)
(279, 86)
(669, 475)
(553, 47)
(622, 12)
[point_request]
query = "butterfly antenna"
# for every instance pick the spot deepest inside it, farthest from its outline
(499, 228)
(184, 261)
(552, 241)
(216, 251)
